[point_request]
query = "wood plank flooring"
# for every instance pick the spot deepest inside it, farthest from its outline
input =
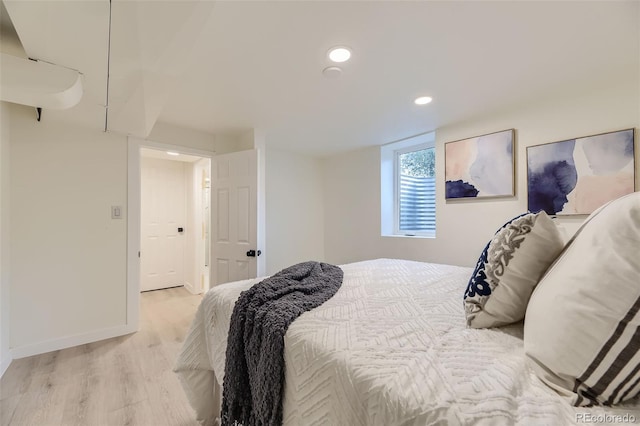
(124, 381)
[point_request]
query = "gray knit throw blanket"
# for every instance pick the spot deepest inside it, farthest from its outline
(253, 384)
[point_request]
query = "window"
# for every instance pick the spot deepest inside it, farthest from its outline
(416, 192)
(408, 192)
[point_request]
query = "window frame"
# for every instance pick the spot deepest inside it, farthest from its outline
(396, 190)
(390, 184)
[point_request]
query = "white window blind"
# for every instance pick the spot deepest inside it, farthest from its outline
(417, 210)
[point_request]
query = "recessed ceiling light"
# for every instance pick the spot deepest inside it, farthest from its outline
(339, 54)
(423, 100)
(173, 153)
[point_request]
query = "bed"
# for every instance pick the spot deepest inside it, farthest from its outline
(391, 347)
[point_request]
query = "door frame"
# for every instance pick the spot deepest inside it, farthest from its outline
(199, 213)
(133, 218)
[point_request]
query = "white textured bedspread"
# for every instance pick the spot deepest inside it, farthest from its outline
(390, 348)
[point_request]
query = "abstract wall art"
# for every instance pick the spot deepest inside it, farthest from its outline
(577, 176)
(482, 166)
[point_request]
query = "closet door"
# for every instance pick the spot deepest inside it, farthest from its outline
(163, 206)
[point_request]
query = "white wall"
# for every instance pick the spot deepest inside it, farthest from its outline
(220, 144)
(352, 181)
(294, 210)
(225, 144)
(175, 135)
(67, 254)
(5, 356)
(68, 257)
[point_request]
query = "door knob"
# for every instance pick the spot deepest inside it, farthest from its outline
(253, 253)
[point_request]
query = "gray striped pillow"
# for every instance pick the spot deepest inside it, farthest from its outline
(582, 325)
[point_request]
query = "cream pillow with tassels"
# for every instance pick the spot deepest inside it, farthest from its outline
(509, 269)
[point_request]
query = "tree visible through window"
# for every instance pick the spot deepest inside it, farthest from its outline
(416, 199)
(418, 163)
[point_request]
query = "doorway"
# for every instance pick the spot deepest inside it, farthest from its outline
(233, 165)
(174, 220)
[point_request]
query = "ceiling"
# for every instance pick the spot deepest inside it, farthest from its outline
(228, 66)
(9, 42)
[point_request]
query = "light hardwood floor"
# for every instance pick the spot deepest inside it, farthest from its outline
(124, 381)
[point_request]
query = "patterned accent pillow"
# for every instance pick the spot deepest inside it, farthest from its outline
(582, 328)
(509, 269)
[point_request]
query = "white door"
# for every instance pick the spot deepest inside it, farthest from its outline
(234, 203)
(163, 206)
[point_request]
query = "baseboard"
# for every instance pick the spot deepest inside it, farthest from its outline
(5, 364)
(189, 287)
(70, 341)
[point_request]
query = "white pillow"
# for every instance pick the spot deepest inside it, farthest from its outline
(582, 327)
(509, 268)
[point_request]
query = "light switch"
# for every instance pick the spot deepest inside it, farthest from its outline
(116, 212)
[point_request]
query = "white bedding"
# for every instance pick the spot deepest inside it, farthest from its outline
(390, 348)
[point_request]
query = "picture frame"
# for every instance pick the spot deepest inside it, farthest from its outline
(576, 176)
(481, 166)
